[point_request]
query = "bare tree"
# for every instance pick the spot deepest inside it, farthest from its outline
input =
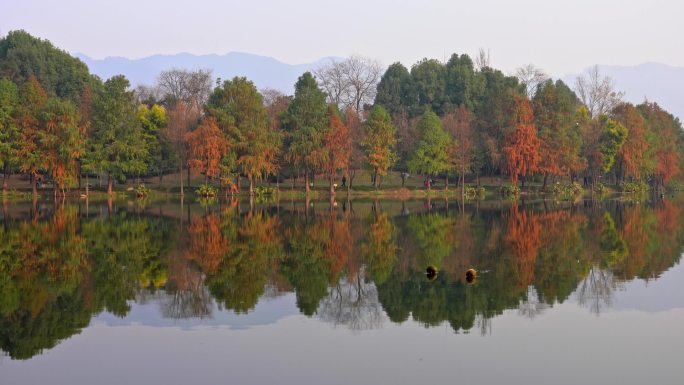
(363, 75)
(596, 290)
(597, 92)
(146, 94)
(482, 60)
(351, 82)
(532, 306)
(531, 77)
(332, 78)
(191, 87)
(353, 304)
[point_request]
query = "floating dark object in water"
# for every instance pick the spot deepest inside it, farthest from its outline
(431, 272)
(471, 275)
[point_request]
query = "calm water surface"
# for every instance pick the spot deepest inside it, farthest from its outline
(306, 293)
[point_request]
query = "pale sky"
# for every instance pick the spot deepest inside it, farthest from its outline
(558, 36)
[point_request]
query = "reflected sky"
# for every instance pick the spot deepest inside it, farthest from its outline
(298, 293)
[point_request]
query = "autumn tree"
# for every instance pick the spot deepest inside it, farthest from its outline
(668, 143)
(459, 124)
(182, 119)
(493, 114)
(61, 142)
(9, 132)
(117, 146)
(431, 156)
(379, 143)
(555, 107)
(32, 99)
(357, 134)
(207, 147)
(239, 110)
(521, 144)
(636, 158)
(337, 143)
(306, 123)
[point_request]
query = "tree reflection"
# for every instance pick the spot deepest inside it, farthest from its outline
(353, 304)
(354, 268)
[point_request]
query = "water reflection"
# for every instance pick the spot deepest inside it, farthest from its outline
(355, 267)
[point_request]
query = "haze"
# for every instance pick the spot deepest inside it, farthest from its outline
(560, 37)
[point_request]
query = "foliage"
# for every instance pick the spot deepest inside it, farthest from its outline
(117, 145)
(306, 122)
(23, 57)
(510, 190)
(207, 148)
(472, 192)
(567, 190)
(522, 144)
(431, 155)
(379, 143)
(634, 187)
(206, 190)
(239, 110)
(142, 191)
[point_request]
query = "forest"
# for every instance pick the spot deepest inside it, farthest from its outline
(459, 120)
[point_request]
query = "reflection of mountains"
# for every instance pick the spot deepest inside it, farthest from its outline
(354, 266)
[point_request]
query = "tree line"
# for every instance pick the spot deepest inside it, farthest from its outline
(460, 119)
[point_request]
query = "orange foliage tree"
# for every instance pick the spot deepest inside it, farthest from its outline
(521, 145)
(634, 156)
(207, 147)
(337, 144)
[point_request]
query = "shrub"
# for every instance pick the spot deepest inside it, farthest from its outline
(510, 191)
(675, 186)
(634, 187)
(567, 191)
(600, 188)
(207, 191)
(141, 191)
(474, 192)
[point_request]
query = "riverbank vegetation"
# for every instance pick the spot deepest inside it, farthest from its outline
(461, 120)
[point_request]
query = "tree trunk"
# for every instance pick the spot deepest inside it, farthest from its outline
(446, 183)
(352, 174)
(251, 185)
(181, 179)
(188, 176)
(546, 177)
(332, 186)
(307, 188)
(110, 184)
(5, 179)
(34, 186)
(375, 178)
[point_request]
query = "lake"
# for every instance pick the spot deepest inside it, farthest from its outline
(309, 292)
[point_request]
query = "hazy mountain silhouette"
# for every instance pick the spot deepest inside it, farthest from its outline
(655, 82)
(263, 71)
(650, 81)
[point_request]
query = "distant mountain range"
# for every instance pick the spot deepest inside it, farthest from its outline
(263, 71)
(661, 83)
